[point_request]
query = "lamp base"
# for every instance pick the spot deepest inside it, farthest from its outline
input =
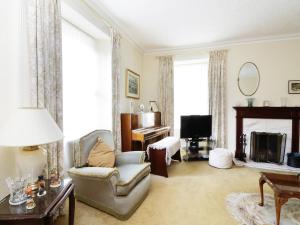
(31, 160)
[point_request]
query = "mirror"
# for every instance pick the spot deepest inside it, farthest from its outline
(248, 79)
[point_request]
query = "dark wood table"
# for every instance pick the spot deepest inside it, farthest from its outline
(45, 209)
(284, 187)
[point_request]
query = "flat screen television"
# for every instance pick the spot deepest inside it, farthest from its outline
(195, 126)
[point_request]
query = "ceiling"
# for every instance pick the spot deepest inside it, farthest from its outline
(171, 24)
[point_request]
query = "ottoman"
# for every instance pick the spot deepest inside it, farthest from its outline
(220, 158)
(161, 154)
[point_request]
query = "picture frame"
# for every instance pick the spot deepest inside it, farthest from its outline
(294, 86)
(153, 106)
(132, 84)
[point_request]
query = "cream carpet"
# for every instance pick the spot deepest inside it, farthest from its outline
(194, 194)
(244, 207)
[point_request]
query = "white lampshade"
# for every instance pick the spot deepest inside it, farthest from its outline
(29, 127)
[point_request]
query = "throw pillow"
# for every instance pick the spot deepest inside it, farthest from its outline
(101, 155)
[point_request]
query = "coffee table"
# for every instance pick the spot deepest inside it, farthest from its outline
(284, 187)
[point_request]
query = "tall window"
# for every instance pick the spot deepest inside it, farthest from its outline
(190, 90)
(86, 82)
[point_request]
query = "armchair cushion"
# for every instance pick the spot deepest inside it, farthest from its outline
(134, 157)
(130, 176)
(101, 155)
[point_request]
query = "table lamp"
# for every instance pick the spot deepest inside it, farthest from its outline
(29, 128)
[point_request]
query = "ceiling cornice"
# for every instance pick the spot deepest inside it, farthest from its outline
(112, 21)
(218, 45)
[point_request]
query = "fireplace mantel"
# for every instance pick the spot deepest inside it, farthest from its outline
(292, 113)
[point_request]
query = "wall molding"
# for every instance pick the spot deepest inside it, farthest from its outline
(220, 45)
(109, 19)
(112, 21)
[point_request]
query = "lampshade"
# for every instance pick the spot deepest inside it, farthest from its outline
(29, 127)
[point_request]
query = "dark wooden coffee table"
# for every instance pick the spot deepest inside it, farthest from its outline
(284, 187)
(45, 209)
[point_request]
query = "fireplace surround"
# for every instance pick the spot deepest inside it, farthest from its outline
(292, 113)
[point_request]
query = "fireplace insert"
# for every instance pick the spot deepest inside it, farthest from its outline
(267, 147)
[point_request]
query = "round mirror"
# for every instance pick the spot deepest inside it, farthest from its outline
(248, 80)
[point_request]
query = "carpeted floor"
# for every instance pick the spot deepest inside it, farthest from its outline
(194, 194)
(244, 207)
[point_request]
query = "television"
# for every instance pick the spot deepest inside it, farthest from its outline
(195, 126)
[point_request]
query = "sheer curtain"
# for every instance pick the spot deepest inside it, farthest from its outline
(217, 95)
(166, 93)
(44, 35)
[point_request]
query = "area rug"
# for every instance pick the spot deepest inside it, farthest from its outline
(244, 208)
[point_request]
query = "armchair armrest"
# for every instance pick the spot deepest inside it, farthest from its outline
(94, 172)
(134, 157)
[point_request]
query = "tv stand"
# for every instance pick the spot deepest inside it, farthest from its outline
(196, 152)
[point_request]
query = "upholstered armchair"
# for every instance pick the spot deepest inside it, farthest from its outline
(118, 191)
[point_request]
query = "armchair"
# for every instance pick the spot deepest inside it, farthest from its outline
(118, 191)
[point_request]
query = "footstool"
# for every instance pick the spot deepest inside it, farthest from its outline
(220, 158)
(161, 153)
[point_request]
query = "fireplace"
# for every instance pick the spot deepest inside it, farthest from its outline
(267, 147)
(290, 113)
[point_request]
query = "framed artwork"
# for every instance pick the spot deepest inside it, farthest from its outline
(294, 86)
(153, 106)
(132, 84)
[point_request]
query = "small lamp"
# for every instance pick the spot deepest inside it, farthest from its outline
(30, 128)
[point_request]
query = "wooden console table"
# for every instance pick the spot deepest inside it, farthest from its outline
(292, 113)
(46, 206)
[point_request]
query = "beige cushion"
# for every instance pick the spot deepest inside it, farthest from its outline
(130, 176)
(101, 155)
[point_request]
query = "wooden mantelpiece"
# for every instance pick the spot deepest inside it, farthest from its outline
(292, 113)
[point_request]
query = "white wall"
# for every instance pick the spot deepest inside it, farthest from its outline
(150, 87)
(277, 62)
(10, 66)
(131, 58)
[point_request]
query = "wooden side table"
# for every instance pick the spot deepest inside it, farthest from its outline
(45, 209)
(284, 187)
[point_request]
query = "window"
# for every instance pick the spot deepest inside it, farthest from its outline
(87, 94)
(190, 90)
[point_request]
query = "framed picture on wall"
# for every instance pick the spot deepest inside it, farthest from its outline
(132, 84)
(294, 86)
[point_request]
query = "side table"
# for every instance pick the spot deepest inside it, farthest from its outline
(45, 209)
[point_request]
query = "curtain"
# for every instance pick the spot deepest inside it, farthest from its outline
(45, 64)
(116, 74)
(166, 91)
(217, 96)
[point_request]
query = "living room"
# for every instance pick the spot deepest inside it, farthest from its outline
(140, 37)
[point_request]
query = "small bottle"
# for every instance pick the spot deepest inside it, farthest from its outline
(41, 185)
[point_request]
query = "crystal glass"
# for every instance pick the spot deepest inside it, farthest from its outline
(16, 188)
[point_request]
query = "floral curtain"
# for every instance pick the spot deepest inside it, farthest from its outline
(166, 91)
(116, 74)
(45, 64)
(217, 96)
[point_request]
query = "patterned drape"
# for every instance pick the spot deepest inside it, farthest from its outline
(217, 96)
(116, 74)
(166, 91)
(44, 35)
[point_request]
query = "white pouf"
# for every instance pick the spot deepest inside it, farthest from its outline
(220, 158)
